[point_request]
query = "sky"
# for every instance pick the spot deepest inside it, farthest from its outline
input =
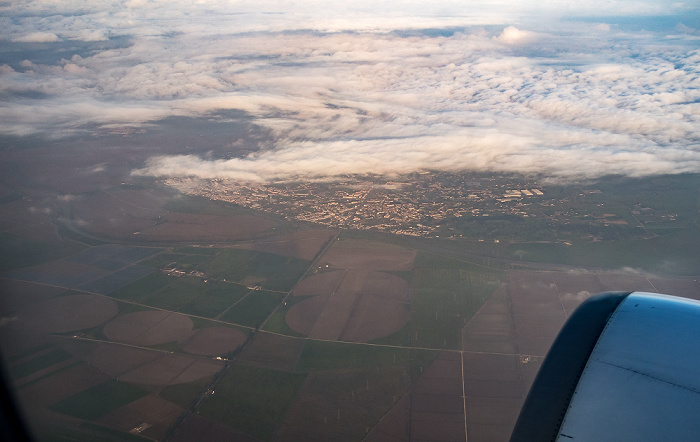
(561, 89)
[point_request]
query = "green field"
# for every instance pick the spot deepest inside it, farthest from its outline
(176, 293)
(344, 405)
(253, 310)
(17, 252)
(163, 291)
(290, 273)
(273, 272)
(28, 352)
(272, 351)
(86, 432)
(216, 300)
(184, 261)
(139, 290)
(39, 363)
(277, 322)
(184, 394)
(320, 355)
(351, 387)
(252, 400)
(99, 400)
(445, 296)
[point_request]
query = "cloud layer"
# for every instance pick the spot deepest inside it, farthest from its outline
(360, 89)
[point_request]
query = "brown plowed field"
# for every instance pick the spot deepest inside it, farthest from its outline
(529, 369)
(301, 317)
(491, 328)
(304, 244)
(574, 288)
(196, 427)
(190, 227)
(214, 341)
(373, 318)
(15, 339)
(17, 294)
(172, 369)
(394, 426)
(538, 314)
(626, 283)
(379, 285)
(504, 343)
(355, 305)
(337, 405)
(272, 350)
(492, 419)
(331, 323)
(201, 368)
(436, 432)
(439, 386)
(494, 394)
(116, 360)
(319, 284)
(62, 385)
(686, 288)
(437, 411)
(149, 328)
(130, 214)
(152, 410)
(492, 375)
(368, 255)
(67, 313)
(161, 371)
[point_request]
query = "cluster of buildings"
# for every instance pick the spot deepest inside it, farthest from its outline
(429, 204)
(421, 206)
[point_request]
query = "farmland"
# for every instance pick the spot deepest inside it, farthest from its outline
(292, 331)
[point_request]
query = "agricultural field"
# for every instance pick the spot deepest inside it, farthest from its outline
(672, 252)
(253, 309)
(126, 213)
(216, 300)
(447, 293)
(308, 334)
(367, 255)
(99, 400)
(351, 305)
(18, 252)
(252, 400)
(302, 244)
(272, 272)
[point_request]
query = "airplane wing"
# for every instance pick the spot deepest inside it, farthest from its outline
(625, 367)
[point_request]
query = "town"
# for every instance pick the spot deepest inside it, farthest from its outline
(422, 204)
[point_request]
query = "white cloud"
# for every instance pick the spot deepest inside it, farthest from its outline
(514, 36)
(37, 37)
(475, 149)
(568, 99)
(89, 35)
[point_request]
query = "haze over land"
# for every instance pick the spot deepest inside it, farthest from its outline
(568, 91)
(319, 220)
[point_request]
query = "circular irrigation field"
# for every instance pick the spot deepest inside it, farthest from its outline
(149, 328)
(67, 313)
